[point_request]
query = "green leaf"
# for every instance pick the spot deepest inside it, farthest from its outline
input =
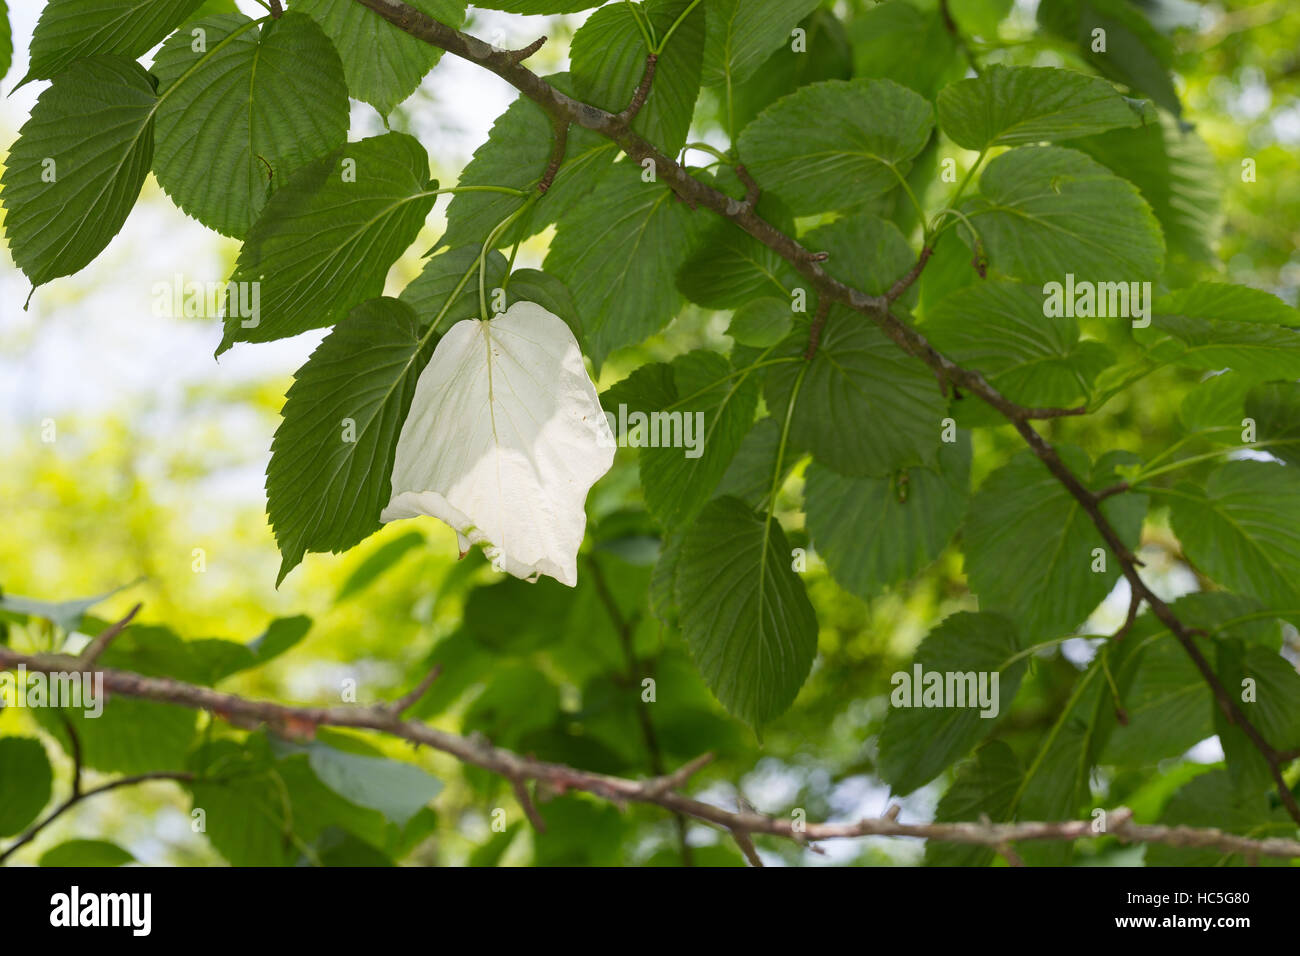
(617, 252)
(1057, 780)
(1211, 801)
(1267, 689)
(1275, 407)
(1030, 545)
(75, 29)
(1168, 705)
(130, 736)
(886, 38)
(326, 239)
(985, 786)
(688, 419)
(6, 41)
(1215, 325)
(446, 290)
(245, 808)
(744, 612)
(980, 17)
(383, 64)
(1000, 329)
(65, 615)
(1218, 402)
(814, 164)
(75, 172)
(743, 33)
(825, 54)
(608, 56)
(515, 617)
(260, 106)
(86, 853)
(1134, 54)
(749, 476)
(729, 267)
(761, 322)
(518, 700)
(1046, 211)
(864, 407)
(325, 490)
(964, 644)
(395, 789)
(879, 532)
(663, 581)
(515, 155)
(1243, 529)
(25, 782)
(280, 635)
(1177, 175)
(1012, 106)
(377, 562)
(866, 251)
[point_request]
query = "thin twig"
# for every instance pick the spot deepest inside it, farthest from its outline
(639, 96)
(97, 647)
(409, 700)
(815, 329)
(519, 56)
(35, 829)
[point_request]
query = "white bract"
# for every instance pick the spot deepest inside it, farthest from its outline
(504, 438)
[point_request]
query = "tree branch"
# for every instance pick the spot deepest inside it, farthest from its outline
(662, 791)
(876, 308)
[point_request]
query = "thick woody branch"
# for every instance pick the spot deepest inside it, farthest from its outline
(876, 308)
(663, 791)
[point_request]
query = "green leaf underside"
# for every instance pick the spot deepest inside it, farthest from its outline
(516, 154)
(1215, 325)
(1243, 529)
(984, 787)
(326, 239)
(1029, 545)
(325, 493)
(743, 33)
(1177, 175)
(71, 30)
(1047, 211)
(744, 612)
(1012, 106)
(1209, 800)
(383, 64)
(999, 329)
(608, 55)
(865, 408)
(433, 293)
(879, 532)
(257, 109)
(679, 480)
(964, 643)
(611, 251)
(836, 143)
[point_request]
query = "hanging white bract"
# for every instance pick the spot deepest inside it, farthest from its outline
(504, 438)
